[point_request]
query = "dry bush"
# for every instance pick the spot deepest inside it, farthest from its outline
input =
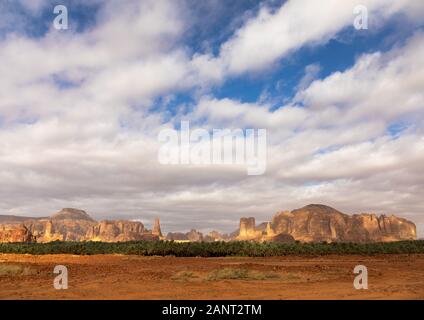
(14, 270)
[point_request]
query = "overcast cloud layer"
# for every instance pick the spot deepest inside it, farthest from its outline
(80, 111)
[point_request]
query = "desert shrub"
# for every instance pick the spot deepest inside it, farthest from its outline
(240, 274)
(14, 270)
(184, 276)
(228, 274)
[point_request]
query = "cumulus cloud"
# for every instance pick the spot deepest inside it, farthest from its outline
(77, 129)
(274, 33)
(379, 86)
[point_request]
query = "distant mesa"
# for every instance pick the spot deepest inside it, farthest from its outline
(312, 223)
(316, 223)
(71, 214)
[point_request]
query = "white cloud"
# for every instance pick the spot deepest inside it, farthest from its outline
(33, 6)
(379, 86)
(273, 34)
(311, 73)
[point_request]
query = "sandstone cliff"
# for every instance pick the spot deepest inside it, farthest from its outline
(74, 225)
(315, 223)
(15, 233)
(248, 230)
(116, 231)
(156, 228)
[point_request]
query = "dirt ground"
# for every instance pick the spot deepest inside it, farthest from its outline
(136, 277)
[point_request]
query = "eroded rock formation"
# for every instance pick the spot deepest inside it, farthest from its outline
(116, 231)
(176, 236)
(269, 230)
(15, 233)
(247, 230)
(280, 238)
(194, 236)
(216, 236)
(156, 228)
(76, 225)
(315, 223)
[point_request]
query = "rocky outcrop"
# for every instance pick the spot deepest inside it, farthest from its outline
(315, 223)
(71, 214)
(76, 225)
(156, 228)
(15, 233)
(247, 227)
(269, 230)
(61, 229)
(49, 234)
(116, 231)
(213, 236)
(194, 236)
(370, 227)
(281, 238)
(247, 230)
(149, 237)
(176, 236)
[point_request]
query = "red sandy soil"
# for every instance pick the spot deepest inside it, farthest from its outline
(136, 277)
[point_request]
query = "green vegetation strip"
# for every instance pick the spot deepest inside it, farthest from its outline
(213, 249)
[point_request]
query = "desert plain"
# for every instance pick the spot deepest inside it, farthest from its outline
(390, 276)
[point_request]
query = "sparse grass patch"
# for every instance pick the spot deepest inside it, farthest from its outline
(240, 274)
(14, 270)
(184, 276)
(264, 275)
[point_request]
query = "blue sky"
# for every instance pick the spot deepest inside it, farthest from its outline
(343, 107)
(212, 24)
